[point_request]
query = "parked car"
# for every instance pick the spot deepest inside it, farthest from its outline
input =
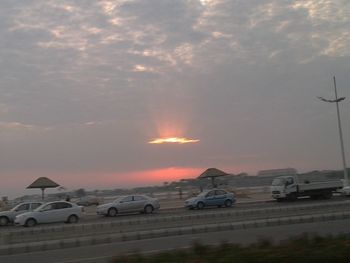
(88, 200)
(58, 211)
(213, 197)
(7, 217)
(129, 204)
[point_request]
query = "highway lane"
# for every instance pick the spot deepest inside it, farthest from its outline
(91, 217)
(209, 216)
(103, 253)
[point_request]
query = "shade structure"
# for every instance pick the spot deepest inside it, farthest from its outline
(43, 183)
(212, 173)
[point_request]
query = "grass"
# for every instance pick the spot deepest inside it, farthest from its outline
(303, 249)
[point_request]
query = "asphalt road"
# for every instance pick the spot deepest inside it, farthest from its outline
(104, 253)
(177, 209)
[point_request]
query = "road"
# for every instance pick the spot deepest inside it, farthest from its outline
(103, 253)
(99, 238)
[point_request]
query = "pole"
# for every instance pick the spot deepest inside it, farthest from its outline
(346, 179)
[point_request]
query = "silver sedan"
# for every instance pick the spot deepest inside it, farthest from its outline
(7, 217)
(129, 204)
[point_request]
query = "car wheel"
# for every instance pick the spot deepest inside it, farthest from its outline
(228, 203)
(112, 212)
(148, 209)
(30, 222)
(72, 219)
(4, 221)
(200, 205)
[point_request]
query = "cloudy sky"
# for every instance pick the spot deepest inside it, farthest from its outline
(86, 84)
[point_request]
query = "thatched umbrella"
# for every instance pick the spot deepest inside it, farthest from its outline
(43, 183)
(212, 173)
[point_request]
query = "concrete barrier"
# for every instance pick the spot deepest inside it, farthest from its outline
(85, 241)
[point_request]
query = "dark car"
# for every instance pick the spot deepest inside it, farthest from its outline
(213, 197)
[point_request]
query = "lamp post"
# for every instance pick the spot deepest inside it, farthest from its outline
(337, 100)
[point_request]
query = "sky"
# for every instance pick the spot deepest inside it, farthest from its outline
(86, 85)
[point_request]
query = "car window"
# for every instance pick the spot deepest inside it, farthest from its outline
(126, 199)
(23, 207)
(48, 207)
(211, 193)
(63, 205)
(139, 198)
(35, 205)
(220, 192)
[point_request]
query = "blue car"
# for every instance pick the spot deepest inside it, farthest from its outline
(213, 197)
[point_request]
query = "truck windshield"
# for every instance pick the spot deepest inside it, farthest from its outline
(279, 181)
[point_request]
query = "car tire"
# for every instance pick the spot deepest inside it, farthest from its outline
(228, 203)
(200, 205)
(148, 209)
(4, 221)
(112, 212)
(30, 222)
(72, 219)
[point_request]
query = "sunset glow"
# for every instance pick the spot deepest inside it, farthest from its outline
(173, 140)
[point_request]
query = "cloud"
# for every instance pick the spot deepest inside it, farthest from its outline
(85, 84)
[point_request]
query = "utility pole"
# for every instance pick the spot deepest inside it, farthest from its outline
(337, 100)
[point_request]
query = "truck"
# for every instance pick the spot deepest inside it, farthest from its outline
(314, 184)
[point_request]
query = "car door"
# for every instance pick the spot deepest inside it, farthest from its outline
(220, 197)
(64, 210)
(125, 204)
(48, 214)
(139, 203)
(209, 199)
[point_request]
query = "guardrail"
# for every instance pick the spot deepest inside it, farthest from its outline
(166, 232)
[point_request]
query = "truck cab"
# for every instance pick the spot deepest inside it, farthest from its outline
(283, 187)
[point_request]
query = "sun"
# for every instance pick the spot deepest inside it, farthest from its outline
(174, 140)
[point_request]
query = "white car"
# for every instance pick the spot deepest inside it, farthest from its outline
(58, 211)
(7, 217)
(129, 204)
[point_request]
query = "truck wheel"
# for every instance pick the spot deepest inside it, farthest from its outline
(292, 197)
(327, 195)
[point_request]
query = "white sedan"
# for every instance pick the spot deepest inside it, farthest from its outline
(7, 217)
(58, 211)
(129, 204)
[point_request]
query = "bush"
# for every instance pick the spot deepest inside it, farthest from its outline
(303, 249)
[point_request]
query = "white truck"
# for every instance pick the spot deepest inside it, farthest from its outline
(314, 185)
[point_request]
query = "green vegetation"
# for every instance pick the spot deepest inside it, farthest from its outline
(302, 250)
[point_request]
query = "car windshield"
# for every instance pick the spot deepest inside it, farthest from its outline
(14, 208)
(39, 208)
(204, 193)
(118, 199)
(279, 182)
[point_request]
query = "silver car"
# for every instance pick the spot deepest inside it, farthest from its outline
(7, 217)
(59, 211)
(129, 204)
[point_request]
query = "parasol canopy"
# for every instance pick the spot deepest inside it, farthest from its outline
(43, 183)
(212, 173)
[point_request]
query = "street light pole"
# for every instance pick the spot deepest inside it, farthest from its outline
(346, 183)
(337, 100)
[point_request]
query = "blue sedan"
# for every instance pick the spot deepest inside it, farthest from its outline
(214, 197)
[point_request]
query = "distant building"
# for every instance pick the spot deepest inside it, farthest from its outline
(277, 172)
